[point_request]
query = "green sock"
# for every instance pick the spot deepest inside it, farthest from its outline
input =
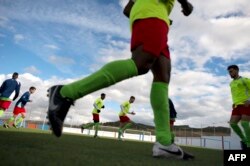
(19, 120)
(159, 103)
(109, 74)
(238, 131)
(96, 128)
(10, 120)
(246, 127)
(128, 125)
(88, 125)
(1, 112)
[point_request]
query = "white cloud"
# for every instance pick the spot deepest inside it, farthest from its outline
(32, 69)
(3, 21)
(51, 46)
(18, 38)
(61, 60)
(123, 3)
(202, 36)
(83, 14)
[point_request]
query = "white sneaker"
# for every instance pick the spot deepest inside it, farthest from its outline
(171, 151)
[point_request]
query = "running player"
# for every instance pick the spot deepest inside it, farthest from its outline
(98, 105)
(20, 108)
(9, 87)
(149, 22)
(125, 122)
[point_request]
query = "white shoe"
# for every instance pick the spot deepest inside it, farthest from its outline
(171, 151)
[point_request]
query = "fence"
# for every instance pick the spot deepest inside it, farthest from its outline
(215, 142)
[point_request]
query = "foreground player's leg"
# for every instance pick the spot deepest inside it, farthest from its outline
(163, 146)
(159, 98)
(109, 74)
(62, 97)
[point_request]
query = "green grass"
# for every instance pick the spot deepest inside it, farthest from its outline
(36, 147)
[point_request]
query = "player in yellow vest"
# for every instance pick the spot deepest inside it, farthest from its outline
(125, 122)
(240, 90)
(98, 105)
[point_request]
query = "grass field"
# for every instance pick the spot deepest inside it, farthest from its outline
(36, 147)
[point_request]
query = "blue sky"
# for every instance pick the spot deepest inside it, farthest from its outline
(58, 41)
(58, 38)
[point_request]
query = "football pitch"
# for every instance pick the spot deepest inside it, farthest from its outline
(36, 147)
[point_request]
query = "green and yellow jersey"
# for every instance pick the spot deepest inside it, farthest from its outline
(151, 9)
(240, 90)
(124, 108)
(97, 105)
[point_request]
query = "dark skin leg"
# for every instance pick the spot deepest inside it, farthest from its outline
(161, 69)
(160, 66)
(143, 60)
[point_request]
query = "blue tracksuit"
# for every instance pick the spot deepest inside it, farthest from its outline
(172, 110)
(23, 99)
(8, 87)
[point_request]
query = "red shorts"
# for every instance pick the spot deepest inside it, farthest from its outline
(96, 117)
(241, 110)
(124, 119)
(19, 110)
(151, 33)
(4, 104)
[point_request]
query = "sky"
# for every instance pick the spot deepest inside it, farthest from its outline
(52, 42)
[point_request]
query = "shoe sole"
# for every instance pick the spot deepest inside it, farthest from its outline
(55, 123)
(183, 156)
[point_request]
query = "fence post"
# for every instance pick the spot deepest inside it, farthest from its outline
(222, 139)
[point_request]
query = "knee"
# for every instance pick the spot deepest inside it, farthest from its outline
(143, 61)
(142, 67)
